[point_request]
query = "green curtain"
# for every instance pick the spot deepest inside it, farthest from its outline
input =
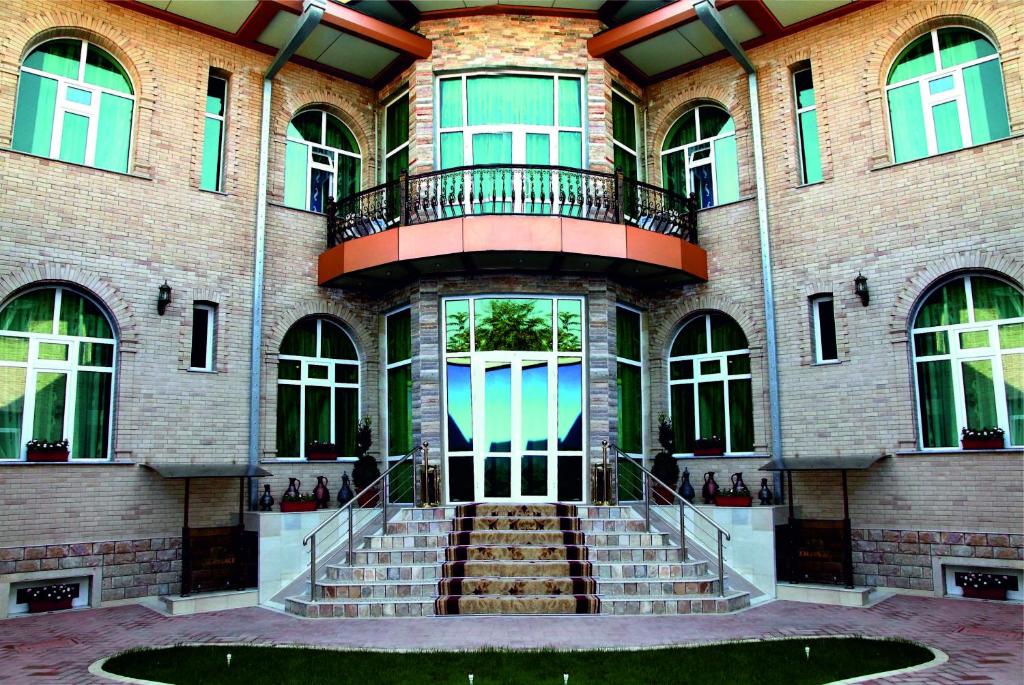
(79, 316)
(296, 175)
(74, 136)
(335, 343)
(103, 70)
(630, 412)
(95, 354)
(692, 339)
(400, 410)
(451, 102)
(810, 151)
(673, 171)
(50, 396)
(397, 123)
(917, 59)
(538, 148)
(727, 170)
(712, 409)
(510, 99)
(12, 404)
(569, 102)
(452, 150)
(492, 148)
(399, 336)
(995, 300)
(318, 414)
(726, 334)
(210, 176)
(979, 393)
(623, 121)
(338, 136)
(13, 349)
(935, 395)
(958, 45)
(288, 421)
(114, 132)
(400, 485)
(714, 121)
(307, 126)
(906, 118)
(92, 414)
(570, 149)
(61, 57)
(33, 117)
(683, 416)
(944, 307)
(300, 340)
(346, 419)
(29, 313)
(947, 127)
(986, 102)
(1013, 380)
(683, 132)
(348, 176)
(741, 416)
(627, 334)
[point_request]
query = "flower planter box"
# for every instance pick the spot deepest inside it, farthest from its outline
(47, 456)
(662, 495)
(983, 443)
(38, 606)
(985, 592)
(321, 455)
(708, 451)
(733, 500)
(288, 507)
(369, 497)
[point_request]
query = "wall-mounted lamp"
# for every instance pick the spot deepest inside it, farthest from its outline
(163, 299)
(860, 286)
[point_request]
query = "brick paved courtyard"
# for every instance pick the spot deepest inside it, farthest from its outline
(983, 640)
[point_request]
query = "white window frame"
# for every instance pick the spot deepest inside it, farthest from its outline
(518, 131)
(803, 110)
(636, 133)
(321, 148)
(209, 310)
(70, 368)
(722, 376)
(956, 94)
(691, 148)
(387, 367)
(90, 111)
(816, 303)
(305, 381)
(994, 352)
(641, 365)
(223, 119)
(390, 153)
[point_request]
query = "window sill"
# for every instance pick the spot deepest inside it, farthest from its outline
(296, 209)
(209, 372)
(828, 362)
(214, 192)
(728, 455)
(339, 460)
(945, 452)
(737, 201)
(73, 462)
(891, 165)
(75, 164)
(801, 186)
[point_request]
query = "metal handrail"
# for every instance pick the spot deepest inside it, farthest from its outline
(650, 478)
(349, 507)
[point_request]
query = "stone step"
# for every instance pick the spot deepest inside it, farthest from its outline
(426, 555)
(504, 605)
(369, 574)
(434, 527)
(361, 608)
(660, 570)
(674, 604)
(387, 589)
(591, 540)
(704, 585)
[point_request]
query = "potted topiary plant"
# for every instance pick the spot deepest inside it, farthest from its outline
(709, 447)
(982, 438)
(321, 451)
(44, 451)
(665, 468)
(292, 503)
(365, 470)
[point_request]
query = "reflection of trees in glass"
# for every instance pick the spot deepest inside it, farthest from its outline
(568, 331)
(458, 331)
(513, 325)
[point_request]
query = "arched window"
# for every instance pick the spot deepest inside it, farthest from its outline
(57, 352)
(945, 92)
(709, 384)
(75, 103)
(699, 156)
(317, 389)
(968, 347)
(322, 160)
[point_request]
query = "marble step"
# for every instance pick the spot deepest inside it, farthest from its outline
(506, 605)
(620, 605)
(660, 570)
(361, 608)
(433, 527)
(330, 590)
(582, 510)
(426, 555)
(519, 537)
(704, 585)
(395, 573)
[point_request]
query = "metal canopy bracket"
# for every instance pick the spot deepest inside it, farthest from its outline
(312, 13)
(709, 16)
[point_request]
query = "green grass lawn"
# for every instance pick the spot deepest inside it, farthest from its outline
(782, 662)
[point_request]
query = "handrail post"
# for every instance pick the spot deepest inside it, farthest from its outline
(721, 567)
(312, 569)
(386, 495)
(682, 528)
(604, 473)
(647, 501)
(403, 197)
(619, 196)
(425, 500)
(351, 545)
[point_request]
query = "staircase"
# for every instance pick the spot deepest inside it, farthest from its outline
(517, 559)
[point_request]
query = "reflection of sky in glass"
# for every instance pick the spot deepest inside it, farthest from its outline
(498, 406)
(535, 405)
(570, 404)
(460, 406)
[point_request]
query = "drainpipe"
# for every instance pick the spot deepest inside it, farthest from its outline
(710, 17)
(312, 12)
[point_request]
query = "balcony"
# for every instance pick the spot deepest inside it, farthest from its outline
(512, 217)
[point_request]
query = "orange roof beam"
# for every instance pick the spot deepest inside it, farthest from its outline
(366, 27)
(642, 28)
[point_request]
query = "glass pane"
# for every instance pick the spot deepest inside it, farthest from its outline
(916, 60)
(569, 102)
(395, 165)
(810, 151)
(935, 397)
(33, 118)
(958, 45)
(827, 330)
(12, 403)
(346, 418)
(681, 370)
(400, 486)
(803, 82)
(683, 417)
(738, 364)
(492, 148)
(538, 148)
(570, 404)
(48, 419)
(533, 475)
(1013, 380)
(349, 179)
(216, 92)
(1011, 336)
(460, 479)
(82, 97)
(53, 352)
(995, 300)
(318, 414)
(400, 410)
(927, 344)
(570, 149)
(399, 327)
(335, 343)
(397, 124)
(13, 349)
(979, 394)
(321, 187)
(307, 126)
(973, 339)
(683, 132)
(944, 307)
(713, 122)
(288, 370)
(300, 340)
(339, 137)
(906, 118)
(624, 121)
(498, 406)
(702, 185)
(570, 331)
(74, 134)
(986, 102)
(79, 316)
(712, 409)
(210, 178)
(693, 339)
(29, 313)
(727, 170)
(513, 324)
(451, 102)
(457, 325)
(511, 99)
(710, 367)
(631, 481)
(296, 171)
(497, 477)
(941, 85)
(626, 162)
(570, 478)
(452, 150)
(317, 371)
(460, 405)
(741, 416)
(627, 334)
(287, 420)
(346, 373)
(103, 70)
(92, 415)
(200, 333)
(630, 396)
(534, 397)
(947, 127)
(726, 334)
(673, 169)
(61, 57)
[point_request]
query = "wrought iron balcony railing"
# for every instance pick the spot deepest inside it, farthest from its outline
(517, 189)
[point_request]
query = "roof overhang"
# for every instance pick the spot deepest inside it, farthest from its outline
(226, 470)
(859, 462)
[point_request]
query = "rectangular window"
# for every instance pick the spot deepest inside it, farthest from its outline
(624, 136)
(398, 358)
(807, 127)
(823, 316)
(629, 365)
(396, 137)
(212, 177)
(203, 336)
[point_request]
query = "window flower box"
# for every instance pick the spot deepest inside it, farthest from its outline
(724, 500)
(985, 592)
(55, 597)
(982, 438)
(43, 605)
(47, 452)
(321, 451)
(304, 503)
(985, 585)
(709, 447)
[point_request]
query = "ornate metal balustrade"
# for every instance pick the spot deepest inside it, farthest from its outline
(518, 189)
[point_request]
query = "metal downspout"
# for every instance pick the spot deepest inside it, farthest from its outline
(710, 17)
(312, 12)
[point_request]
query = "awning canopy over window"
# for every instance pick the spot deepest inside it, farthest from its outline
(227, 470)
(852, 463)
